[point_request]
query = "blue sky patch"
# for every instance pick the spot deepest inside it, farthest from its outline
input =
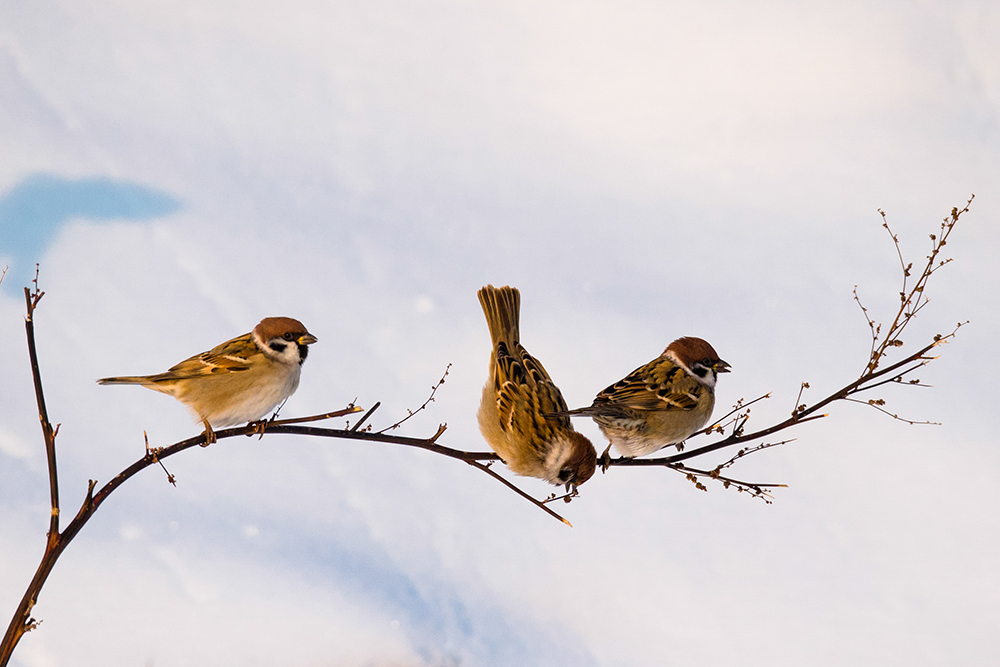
(32, 212)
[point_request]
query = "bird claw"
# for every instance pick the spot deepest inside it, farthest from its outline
(209, 435)
(261, 425)
(605, 459)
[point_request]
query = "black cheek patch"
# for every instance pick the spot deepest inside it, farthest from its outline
(277, 347)
(700, 370)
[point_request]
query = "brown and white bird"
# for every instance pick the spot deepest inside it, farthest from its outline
(662, 403)
(516, 399)
(238, 381)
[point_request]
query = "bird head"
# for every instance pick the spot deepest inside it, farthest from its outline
(698, 358)
(283, 339)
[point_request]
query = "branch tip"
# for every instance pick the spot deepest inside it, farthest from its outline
(430, 399)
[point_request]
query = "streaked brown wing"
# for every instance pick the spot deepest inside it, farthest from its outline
(232, 356)
(550, 399)
(521, 380)
(659, 385)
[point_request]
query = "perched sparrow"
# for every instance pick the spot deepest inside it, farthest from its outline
(662, 403)
(239, 381)
(516, 398)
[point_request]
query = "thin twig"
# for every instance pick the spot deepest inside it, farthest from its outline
(349, 410)
(155, 453)
(798, 406)
(489, 471)
(574, 492)
(898, 379)
(875, 329)
(411, 413)
(718, 424)
(748, 451)
(366, 416)
(714, 474)
(875, 403)
(913, 300)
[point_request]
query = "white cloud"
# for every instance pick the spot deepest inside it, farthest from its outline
(13, 446)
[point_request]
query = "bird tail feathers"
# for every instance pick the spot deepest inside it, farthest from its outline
(501, 306)
(129, 379)
(599, 410)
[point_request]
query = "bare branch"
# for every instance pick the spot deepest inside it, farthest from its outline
(751, 450)
(155, 453)
(755, 489)
(489, 471)
(804, 415)
(898, 378)
(365, 416)
(798, 406)
(877, 403)
(349, 410)
(430, 398)
(22, 621)
(719, 425)
(912, 297)
(48, 433)
(573, 492)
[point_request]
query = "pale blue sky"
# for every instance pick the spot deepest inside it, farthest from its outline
(33, 211)
(641, 171)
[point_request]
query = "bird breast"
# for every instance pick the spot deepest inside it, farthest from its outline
(232, 398)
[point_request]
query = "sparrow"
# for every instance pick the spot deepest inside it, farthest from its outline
(516, 399)
(238, 381)
(662, 403)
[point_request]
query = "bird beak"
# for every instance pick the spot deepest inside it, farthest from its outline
(721, 366)
(306, 339)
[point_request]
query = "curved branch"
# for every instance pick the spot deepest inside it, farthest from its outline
(912, 300)
(802, 416)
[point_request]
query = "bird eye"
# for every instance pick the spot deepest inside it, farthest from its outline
(289, 336)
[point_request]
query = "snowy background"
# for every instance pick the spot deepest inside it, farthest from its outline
(641, 171)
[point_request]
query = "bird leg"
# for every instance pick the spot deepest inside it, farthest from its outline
(605, 459)
(209, 434)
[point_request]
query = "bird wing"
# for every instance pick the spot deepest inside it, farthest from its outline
(521, 380)
(233, 356)
(659, 385)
